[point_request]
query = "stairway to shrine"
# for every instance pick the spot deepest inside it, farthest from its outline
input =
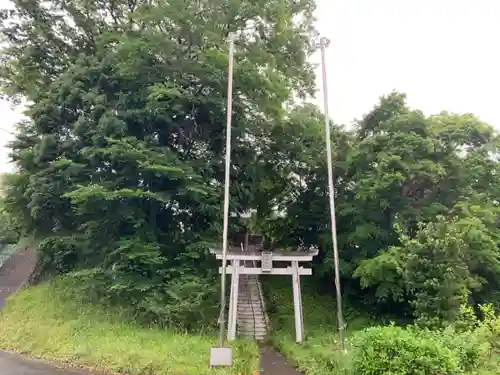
(252, 318)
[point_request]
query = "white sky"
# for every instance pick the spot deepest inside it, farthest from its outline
(443, 54)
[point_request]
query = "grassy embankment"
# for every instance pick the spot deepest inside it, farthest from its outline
(374, 347)
(50, 321)
(319, 353)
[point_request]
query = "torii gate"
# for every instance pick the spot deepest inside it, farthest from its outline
(235, 268)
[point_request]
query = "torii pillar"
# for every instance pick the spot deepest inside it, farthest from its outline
(235, 269)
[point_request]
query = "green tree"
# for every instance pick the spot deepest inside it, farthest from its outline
(121, 160)
(413, 169)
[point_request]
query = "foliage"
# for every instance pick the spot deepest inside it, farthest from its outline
(396, 350)
(447, 263)
(9, 226)
(8, 233)
(469, 346)
(54, 322)
(319, 354)
(433, 180)
(120, 163)
(417, 203)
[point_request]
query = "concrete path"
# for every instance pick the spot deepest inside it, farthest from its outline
(274, 363)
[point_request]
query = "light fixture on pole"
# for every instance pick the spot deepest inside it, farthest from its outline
(221, 356)
(323, 43)
(245, 217)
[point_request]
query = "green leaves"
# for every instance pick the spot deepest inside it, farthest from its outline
(400, 351)
(121, 160)
(121, 163)
(98, 192)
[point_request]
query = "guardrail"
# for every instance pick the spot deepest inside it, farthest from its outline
(5, 252)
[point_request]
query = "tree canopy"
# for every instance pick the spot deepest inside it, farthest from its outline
(121, 161)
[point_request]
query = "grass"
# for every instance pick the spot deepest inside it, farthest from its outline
(49, 321)
(319, 354)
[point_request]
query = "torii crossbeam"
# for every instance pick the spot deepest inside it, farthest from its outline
(266, 259)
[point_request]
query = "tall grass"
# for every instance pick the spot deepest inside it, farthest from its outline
(373, 347)
(50, 321)
(320, 350)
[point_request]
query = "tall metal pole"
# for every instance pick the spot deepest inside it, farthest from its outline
(230, 40)
(324, 43)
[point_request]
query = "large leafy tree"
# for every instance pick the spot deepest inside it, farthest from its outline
(410, 170)
(121, 160)
(416, 195)
(120, 165)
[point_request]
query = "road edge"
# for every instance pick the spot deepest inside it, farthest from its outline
(68, 367)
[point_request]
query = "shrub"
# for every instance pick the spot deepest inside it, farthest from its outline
(469, 347)
(411, 351)
(398, 351)
(490, 326)
(58, 254)
(187, 303)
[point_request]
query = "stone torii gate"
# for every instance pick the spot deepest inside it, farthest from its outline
(236, 267)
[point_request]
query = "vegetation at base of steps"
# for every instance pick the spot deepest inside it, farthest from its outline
(319, 351)
(53, 321)
(375, 346)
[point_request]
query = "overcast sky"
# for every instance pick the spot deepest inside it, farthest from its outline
(444, 54)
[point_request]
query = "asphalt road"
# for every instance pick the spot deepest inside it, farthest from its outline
(11, 364)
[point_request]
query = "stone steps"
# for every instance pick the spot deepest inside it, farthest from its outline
(252, 318)
(249, 327)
